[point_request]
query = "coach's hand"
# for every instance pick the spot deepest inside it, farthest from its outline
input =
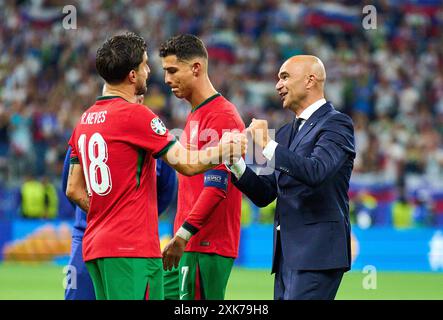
(232, 146)
(172, 252)
(259, 132)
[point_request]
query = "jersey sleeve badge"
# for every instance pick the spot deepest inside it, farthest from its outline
(158, 126)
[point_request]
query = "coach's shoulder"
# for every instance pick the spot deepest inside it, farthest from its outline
(339, 116)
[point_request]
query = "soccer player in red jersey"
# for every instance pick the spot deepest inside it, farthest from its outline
(207, 223)
(112, 175)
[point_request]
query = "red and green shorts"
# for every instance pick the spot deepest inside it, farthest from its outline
(203, 276)
(127, 278)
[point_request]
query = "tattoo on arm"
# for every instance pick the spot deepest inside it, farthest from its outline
(83, 203)
(71, 170)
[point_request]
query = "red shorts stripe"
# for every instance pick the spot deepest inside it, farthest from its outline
(197, 295)
(147, 292)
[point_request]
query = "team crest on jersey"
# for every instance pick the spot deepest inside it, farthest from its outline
(158, 126)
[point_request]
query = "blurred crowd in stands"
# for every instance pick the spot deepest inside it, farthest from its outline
(389, 79)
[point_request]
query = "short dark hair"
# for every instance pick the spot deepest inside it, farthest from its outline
(184, 46)
(119, 55)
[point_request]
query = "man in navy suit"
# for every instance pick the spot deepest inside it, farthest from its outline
(312, 158)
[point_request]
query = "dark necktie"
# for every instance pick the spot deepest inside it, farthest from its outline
(295, 127)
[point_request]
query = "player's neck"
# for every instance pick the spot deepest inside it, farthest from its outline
(121, 91)
(204, 91)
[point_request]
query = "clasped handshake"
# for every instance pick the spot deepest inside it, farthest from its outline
(230, 148)
(233, 145)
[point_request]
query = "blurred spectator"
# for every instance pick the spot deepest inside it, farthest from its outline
(402, 212)
(155, 99)
(39, 199)
(20, 140)
(32, 198)
(423, 210)
(51, 199)
(4, 143)
(362, 209)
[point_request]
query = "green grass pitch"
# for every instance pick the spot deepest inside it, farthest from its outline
(45, 281)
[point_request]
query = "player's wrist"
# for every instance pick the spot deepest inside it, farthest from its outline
(183, 233)
(186, 231)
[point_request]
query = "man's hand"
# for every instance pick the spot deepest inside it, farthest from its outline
(173, 252)
(232, 146)
(259, 132)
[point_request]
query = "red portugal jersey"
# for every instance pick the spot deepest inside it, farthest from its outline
(221, 232)
(116, 142)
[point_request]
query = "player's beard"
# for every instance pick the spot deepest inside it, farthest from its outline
(141, 88)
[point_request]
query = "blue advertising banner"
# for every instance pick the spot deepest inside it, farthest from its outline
(398, 250)
(385, 249)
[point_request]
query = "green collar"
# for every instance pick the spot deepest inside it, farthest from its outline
(100, 98)
(206, 101)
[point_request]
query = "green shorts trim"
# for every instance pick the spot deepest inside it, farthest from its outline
(203, 276)
(127, 278)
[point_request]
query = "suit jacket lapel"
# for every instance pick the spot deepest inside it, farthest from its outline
(309, 124)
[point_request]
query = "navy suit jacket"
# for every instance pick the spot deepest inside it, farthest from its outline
(310, 182)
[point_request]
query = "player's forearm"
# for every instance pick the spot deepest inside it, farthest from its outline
(195, 162)
(76, 187)
(80, 198)
(83, 203)
(206, 204)
(192, 162)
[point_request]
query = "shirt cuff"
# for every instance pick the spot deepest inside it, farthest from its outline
(237, 168)
(269, 150)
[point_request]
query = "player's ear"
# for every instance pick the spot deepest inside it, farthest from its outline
(132, 76)
(310, 81)
(196, 68)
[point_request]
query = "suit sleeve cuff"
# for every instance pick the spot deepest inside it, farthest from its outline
(237, 168)
(269, 150)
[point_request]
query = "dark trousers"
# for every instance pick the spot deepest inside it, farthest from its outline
(293, 284)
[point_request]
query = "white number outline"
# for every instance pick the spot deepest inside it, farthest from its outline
(184, 271)
(98, 162)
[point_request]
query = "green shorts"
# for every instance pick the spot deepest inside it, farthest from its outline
(203, 276)
(127, 278)
(171, 284)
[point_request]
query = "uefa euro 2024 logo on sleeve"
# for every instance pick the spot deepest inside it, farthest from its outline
(157, 126)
